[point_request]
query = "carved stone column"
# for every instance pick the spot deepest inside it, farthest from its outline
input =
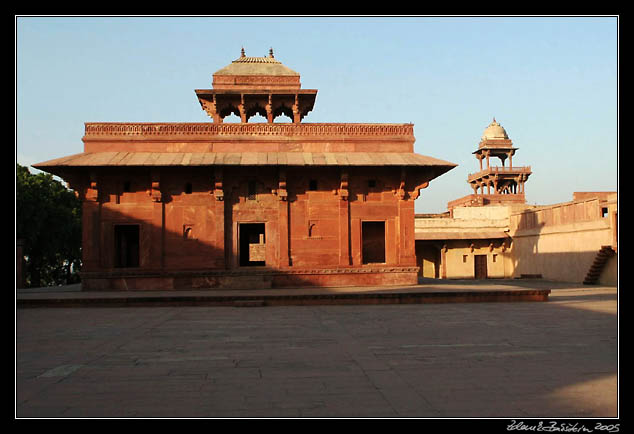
(510, 156)
(269, 110)
(242, 109)
(157, 229)
(282, 194)
(296, 114)
(443, 262)
(406, 233)
(219, 217)
(91, 225)
(344, 221)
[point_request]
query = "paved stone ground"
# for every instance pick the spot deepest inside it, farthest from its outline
(511, 360)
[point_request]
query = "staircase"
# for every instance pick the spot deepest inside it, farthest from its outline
(602, 257)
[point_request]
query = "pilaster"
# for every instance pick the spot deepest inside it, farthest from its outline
(91, 225)
(219, 216)
(344, 221)
(157, 229)
(283, 231)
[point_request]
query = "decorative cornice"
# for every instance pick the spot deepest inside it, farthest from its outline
(121, 130)
(255, 79)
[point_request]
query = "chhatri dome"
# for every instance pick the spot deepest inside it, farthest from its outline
(494, 131)
(268, 66)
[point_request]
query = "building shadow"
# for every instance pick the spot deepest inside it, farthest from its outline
(185, 235)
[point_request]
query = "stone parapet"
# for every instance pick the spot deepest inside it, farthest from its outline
(246, 137)
(97, 130)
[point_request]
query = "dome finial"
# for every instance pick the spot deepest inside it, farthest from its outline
(242, 52)
(271, 53)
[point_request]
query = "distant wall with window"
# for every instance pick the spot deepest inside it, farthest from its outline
(561, 241)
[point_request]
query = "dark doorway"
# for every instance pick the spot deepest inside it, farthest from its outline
(480, 264)
(373, 239)
(252, 246)
(126, 245)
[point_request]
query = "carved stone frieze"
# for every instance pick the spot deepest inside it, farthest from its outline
(94, 130)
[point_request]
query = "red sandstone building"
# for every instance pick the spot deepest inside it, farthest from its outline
(201, 205)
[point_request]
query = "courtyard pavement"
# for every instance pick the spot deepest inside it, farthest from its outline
(554, 359)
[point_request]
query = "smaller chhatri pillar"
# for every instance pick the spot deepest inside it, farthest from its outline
(256, 85)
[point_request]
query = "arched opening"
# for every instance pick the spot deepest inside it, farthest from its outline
(231, 118)
(284, 112)
(281, 119)
(256, 113)
(230, 114)
(257, 118)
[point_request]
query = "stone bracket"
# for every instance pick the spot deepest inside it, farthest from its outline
(92, 192)
(343, 186)
(155, 188)
(282, 193)
(219, 193)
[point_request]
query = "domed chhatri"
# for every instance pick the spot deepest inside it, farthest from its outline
(256, 85)
(503, 184)
(496, 141)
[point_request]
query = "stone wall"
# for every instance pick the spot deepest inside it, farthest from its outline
(560, 242)
(557, 242)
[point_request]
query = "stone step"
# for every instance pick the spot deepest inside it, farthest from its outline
(605, 253)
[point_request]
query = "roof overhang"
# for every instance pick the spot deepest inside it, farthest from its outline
(91, 160)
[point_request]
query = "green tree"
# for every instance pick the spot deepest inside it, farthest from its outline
(48, 219)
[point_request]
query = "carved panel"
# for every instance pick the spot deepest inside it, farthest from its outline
(204, 129)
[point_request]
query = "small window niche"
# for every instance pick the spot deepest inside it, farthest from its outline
(125, 187)
(373, 190)
(188, 232)
(252, 189)
(314, 229)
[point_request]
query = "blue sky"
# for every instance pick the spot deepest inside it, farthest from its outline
(551, 82)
